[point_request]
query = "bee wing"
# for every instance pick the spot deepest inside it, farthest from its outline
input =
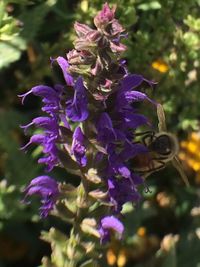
(161, 118)
(177, 164)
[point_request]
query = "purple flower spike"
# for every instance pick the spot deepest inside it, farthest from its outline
(77, 107)
(78, 147)
(110, 223)
(47, 189)
(64, 65)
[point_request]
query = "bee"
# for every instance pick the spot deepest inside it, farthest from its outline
(162, 148)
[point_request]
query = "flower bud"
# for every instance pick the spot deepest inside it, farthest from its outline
(117, 47)
(103, 42)
(114, 28)
(93, 36)
(98, 194)
(81, 29)
(80, 58)
(97, 68)
(105, 16)
(84, 44)
(73, 57)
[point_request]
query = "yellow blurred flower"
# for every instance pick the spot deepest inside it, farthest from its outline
(119, 255)
(84, 6)
(190, 153)
(141, 231)
(111, 257)
(160, 66)
(122, 258)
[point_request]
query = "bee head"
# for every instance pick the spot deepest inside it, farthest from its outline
(165, 144)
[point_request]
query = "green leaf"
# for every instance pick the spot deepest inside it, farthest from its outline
(34, 18)
(19, 167)
(11, 50)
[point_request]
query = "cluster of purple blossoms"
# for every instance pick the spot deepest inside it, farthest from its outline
(93, 118)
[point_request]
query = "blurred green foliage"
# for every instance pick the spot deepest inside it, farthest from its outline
(163, 45)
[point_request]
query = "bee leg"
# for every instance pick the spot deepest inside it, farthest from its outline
(143, 133)
(148, 138)
(146, 189)
(153, 169)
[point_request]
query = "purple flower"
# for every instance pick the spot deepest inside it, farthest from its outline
(78, 147)
(47, 123)
(64, 65)
(130, 150)
(50, 97)
(127, 119)
(106, 132)
(51, 159)
(117, 167)
(47, 189)
(124, 98)
(48, 142)
(76, 109)
(132, 81)
(121, 191)
(126, 95)
(109, 224)
(46, 92)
